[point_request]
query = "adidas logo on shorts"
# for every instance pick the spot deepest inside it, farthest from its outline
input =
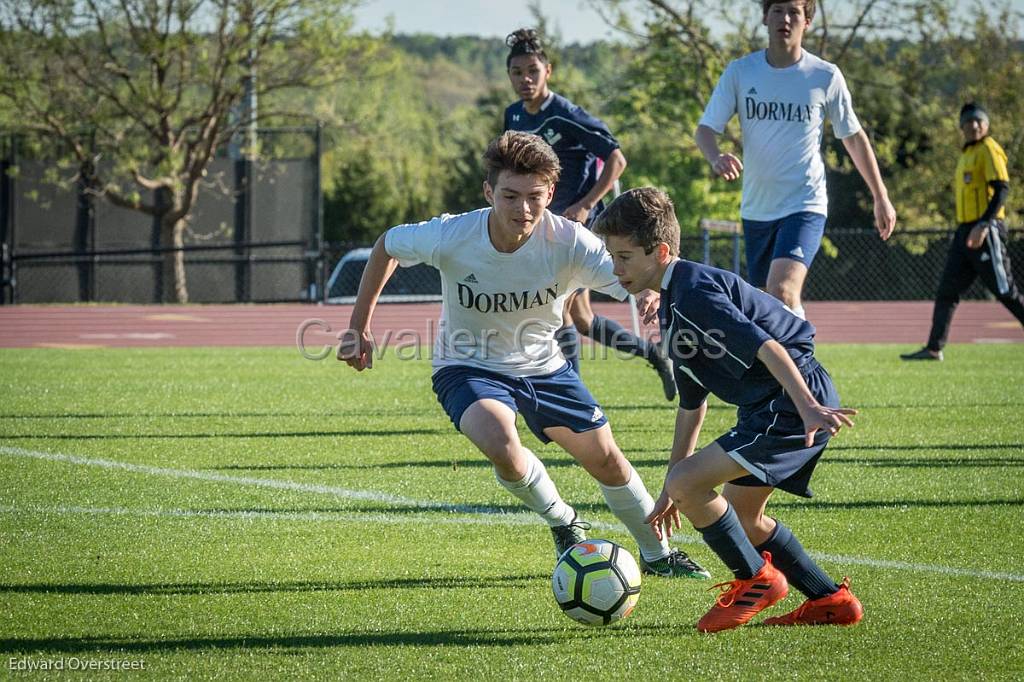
(798, 252)
(597, 415)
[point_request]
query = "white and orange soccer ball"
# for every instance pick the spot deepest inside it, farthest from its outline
(596, 582)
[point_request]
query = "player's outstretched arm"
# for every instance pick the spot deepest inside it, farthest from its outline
(665, 517)
(816, 417)
(725, 165)
(356, 347)
(613, 167)
(859, 148)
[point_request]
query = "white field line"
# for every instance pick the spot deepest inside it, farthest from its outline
(270, 515)
(486, 514)
(473, 514)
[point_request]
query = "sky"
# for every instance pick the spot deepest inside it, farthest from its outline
(576, 20)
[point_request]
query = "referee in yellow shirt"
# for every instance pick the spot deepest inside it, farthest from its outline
(979, 245)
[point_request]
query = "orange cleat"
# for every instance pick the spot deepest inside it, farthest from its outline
(839, 608)
(741, 600)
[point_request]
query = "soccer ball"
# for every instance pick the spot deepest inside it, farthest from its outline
(596, 582)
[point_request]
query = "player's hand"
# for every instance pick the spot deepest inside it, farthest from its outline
(727, 166)
(820, 418)
(355, 349)
(885, 218)
(976, 237)
(578, 212)
(664, 518)
(647, 302)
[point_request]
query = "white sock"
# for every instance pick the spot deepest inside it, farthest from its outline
(631, 503)
(537, 491)
(799, 312)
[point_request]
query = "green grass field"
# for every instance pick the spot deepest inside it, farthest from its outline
(247, 514)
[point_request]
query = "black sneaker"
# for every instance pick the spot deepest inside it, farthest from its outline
(568, 535)
(663, 367)
(923, 354)
(675, 565)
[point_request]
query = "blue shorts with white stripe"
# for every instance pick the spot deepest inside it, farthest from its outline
(768, 440)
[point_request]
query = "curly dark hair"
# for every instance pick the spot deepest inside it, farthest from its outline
(524, 41)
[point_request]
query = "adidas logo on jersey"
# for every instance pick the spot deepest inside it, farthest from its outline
(471, 279)
(752, 91)
(598, 414)
(798, 252)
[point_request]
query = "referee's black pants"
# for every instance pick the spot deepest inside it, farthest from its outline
(991, 262)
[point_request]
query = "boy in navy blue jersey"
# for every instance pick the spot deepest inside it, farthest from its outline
(583, 143)
(728, 338)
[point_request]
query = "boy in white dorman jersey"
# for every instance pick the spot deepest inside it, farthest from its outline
(782, 96)
(506, 271)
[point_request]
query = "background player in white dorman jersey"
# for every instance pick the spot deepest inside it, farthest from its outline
(782, 96)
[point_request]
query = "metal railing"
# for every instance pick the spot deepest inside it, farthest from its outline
(278, 271)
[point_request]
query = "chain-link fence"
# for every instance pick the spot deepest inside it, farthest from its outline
(855, 265)
(253, 235)
(852, 265)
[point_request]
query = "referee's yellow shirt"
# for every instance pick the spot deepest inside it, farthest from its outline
(981, 163)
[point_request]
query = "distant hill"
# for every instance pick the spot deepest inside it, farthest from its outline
(458, 71)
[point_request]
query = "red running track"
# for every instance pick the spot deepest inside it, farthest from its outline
(117, 326)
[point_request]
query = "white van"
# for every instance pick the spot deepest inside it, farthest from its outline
(420, 283)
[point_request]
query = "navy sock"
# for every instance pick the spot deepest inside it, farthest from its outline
(612, 334)
(726, 538)
(789, 556)
(569, 341)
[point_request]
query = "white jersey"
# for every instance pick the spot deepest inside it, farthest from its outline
(500, 311)
(782, 115)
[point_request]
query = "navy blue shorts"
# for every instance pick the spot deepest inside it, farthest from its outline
(796, 237)
(768, 440)
(556, 399)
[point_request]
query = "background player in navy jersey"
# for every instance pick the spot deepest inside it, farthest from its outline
(507, 271)
(580, 141)
(782, 96)
(728, 338)
(981, 184)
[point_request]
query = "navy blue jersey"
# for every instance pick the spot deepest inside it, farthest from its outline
(715, 323)
(578, 139)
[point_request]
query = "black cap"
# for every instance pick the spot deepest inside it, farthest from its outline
(972, 111)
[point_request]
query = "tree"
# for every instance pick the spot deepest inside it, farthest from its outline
(394, 151)
(142, 94)
(910, 65)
